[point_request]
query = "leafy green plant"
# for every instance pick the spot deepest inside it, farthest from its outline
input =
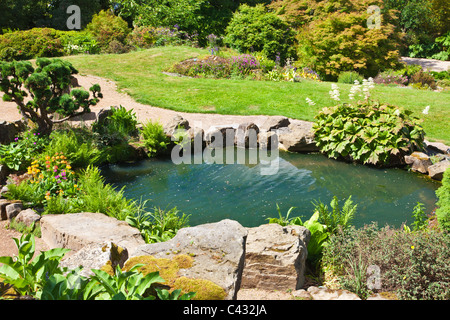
(443, 203)
(350, 77)
(420, 217)
(159, 225)
(285, 220)
(336, 217)
(18, 154)
(367, 133)
(129, 285)
(155, 139)
(28, 276)
(121, 121)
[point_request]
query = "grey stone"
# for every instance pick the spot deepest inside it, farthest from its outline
(177, 122)
(419, 162)
(221, 136)
(268, 140)
(436, 171)
(77, 230)
(275, 122)
(3, 204)
(28, 217)
(13, 209)
(247, 135)
(438, 147)
(95, 256)
(275, 257)
(298, 138)
(218, 250)
(323, 293)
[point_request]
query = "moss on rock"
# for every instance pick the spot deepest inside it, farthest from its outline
(168, 270)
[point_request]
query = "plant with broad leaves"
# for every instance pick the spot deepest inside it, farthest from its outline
(27, 276)
(367, 132)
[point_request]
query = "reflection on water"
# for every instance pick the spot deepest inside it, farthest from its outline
(212, 192)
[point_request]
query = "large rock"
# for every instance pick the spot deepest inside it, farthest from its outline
(275, 257)
(78, 230)
(3, 205)
(436, 171)
(438, 147)
(274, 122)
(177, 122)
(218, 250)
(298, 138)
(221, 136)
(28, 217)
(419, 162)
(247, 135)
(104, 256)
(13, 209)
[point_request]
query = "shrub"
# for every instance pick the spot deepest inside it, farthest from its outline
(47, 85)
(350, 77)
(256, 29)
(30, 44)
(335, 38)
(76, 42)
(423, 80)
(106, 27)
(388, 77)
(367, 132)
(443, 194)
(141, 37)
(413, 265)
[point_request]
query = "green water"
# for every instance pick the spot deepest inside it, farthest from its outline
(212, 192)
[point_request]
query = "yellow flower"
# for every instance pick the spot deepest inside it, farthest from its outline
(68, 167)
(412, 247)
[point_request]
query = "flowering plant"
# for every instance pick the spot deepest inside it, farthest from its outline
(54, 176)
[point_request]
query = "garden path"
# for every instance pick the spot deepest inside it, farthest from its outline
(114, 97)
(431, 64)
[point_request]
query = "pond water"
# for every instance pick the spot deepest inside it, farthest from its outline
(212, 192)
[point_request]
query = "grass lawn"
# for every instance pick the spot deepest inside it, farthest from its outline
(140, 72)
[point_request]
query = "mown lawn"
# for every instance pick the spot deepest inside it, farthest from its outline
(140, 72)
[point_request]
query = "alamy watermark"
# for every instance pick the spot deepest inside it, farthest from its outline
(374, 21)
(220, 148)
(74, 20)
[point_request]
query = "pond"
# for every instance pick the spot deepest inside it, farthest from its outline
(210, 192)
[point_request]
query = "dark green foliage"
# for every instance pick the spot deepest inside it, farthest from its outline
(414, 265)
(48, 85)
(443, 194)
(256, 29)
(367, 133)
